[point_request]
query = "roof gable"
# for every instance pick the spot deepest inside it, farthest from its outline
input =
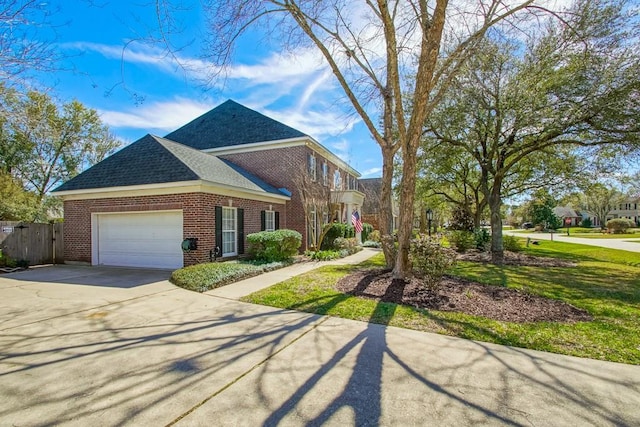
(142, 162)
(155, 160)
(231, 124)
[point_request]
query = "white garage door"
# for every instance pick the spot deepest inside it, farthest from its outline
(149, 239)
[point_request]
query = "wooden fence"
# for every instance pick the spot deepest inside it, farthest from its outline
(36, 243)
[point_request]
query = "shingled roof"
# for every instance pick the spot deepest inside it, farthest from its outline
(155, 160)
(231, 124)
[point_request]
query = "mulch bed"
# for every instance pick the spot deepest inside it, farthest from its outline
(460, 295)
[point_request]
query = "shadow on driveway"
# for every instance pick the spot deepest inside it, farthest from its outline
(114, 277)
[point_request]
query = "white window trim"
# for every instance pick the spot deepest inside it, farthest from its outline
(337, 180)
(269, 220)
(313, 167)
(325, 173)
(225, 232)
(313, 228)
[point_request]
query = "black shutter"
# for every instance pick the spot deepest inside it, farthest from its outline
(240, 231)
(277, 220)
(219, 230)
(263, 224)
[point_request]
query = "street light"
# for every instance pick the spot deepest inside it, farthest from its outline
(429, 219)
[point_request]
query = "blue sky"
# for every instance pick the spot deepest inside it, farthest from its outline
(138, 89)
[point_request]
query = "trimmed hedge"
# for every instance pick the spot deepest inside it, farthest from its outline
(619, 225)
(366, 230)
(336, 230)
(211, 275)
(278, 245)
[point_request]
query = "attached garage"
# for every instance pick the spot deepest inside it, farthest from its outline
(138, 239)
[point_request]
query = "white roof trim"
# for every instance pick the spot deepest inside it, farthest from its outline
(197, 186)
(283, 143)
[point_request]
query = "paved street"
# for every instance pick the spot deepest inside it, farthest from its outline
(98, 346)
(632, 245)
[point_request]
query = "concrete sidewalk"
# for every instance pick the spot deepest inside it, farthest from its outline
(107, 348)
(245, 287)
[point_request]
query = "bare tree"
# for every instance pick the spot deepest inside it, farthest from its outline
(318, 202)
(392, 59)
(25, 39)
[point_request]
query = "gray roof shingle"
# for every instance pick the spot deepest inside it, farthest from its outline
(155, 160)
(231, 124)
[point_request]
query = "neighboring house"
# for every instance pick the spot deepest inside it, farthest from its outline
(629, 209)
(372, 188)
(226, 174)
(566, 213)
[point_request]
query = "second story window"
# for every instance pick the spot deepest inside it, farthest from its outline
(312, 167)
(337, 180)
(325, 173)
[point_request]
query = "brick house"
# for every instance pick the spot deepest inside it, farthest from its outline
(371, 188)
(226, 174)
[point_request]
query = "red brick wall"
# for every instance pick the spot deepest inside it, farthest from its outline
(277, 167)
(198, 210)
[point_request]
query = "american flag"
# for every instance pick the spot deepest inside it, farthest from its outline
(355, 220)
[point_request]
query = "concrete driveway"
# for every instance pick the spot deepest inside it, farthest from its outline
(95, 346)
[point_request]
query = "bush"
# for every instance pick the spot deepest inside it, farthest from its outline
(619, 225)
(461, 219)
(203, 277)
(324, 255)
(371, 244)
(461, 240)
(278, 245)
(367, 229)
(335, 230)
(586, 223)
(374, 236)
(430, 259)
(482, 239)
(350, 245)
(511, 243)
(6, 261)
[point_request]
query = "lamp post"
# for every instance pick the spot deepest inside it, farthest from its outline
(429, 218)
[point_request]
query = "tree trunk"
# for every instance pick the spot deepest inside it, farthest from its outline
(402, 267)
(497, 249)
(386, 205)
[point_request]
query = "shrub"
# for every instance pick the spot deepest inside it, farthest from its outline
(461, 240)
(511, 243)
(367, 229)
(350, 245)
(203, 277)
(482, 239)
(6, 261)
(324, 255)
(430, 259)
(335, 230)
(461, 218)
(278, 245)
(374, 236)
(586, 223)
(371, 244)
(619, 225)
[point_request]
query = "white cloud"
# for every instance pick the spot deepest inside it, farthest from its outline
(372, 172)
(166, 116)
(317, 124)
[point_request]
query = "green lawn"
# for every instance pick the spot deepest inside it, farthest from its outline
(606, 283)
